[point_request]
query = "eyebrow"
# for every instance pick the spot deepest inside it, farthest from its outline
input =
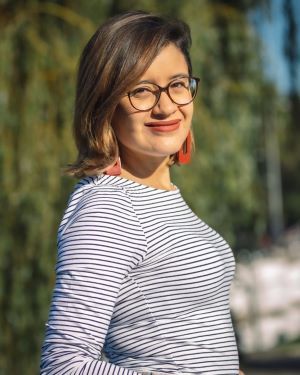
(180, 75)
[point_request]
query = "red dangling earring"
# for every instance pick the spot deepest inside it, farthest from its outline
(184, 154)
(114, 170)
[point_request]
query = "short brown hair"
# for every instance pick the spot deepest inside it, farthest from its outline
(119, 52)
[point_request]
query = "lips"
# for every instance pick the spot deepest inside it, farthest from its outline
(164, 126)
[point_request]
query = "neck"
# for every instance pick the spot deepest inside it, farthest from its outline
(154, 172)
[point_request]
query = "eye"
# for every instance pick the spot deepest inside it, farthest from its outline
(141, 92)
(179, 84)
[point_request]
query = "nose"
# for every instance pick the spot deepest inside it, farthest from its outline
(164, 107)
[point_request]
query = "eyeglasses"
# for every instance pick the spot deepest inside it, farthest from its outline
(181, 91)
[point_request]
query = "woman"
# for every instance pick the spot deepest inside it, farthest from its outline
(142, 283)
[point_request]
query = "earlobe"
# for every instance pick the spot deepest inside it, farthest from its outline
(114, 170)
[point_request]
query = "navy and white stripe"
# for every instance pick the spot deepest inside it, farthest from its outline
(142, 279)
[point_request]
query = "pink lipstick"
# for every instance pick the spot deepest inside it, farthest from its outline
(164, 126)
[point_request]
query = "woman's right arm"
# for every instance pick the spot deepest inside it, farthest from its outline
(96, 251)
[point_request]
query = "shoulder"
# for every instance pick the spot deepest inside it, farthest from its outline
(98, 201)
(105, 196)
(101, 224)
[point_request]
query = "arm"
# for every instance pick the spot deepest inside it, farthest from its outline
(97, 250)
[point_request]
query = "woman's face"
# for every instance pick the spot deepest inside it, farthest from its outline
(160, 131)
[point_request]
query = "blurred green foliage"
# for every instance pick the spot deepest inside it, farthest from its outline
(39, 48)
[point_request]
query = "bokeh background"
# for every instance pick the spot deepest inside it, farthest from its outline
(244, 179)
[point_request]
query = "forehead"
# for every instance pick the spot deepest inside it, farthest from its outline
(170, 62)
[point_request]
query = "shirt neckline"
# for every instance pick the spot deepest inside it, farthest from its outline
(130, 184)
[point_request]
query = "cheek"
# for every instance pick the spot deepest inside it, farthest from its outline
(126, 125)
(189, 109)
(187, 113)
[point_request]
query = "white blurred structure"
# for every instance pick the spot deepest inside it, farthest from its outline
(265, 296)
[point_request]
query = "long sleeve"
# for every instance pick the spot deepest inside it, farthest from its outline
(98, 246)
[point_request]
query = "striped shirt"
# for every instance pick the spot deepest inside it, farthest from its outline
(141, 280)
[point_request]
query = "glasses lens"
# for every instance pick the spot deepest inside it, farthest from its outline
(143, 98)
(183, 90)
